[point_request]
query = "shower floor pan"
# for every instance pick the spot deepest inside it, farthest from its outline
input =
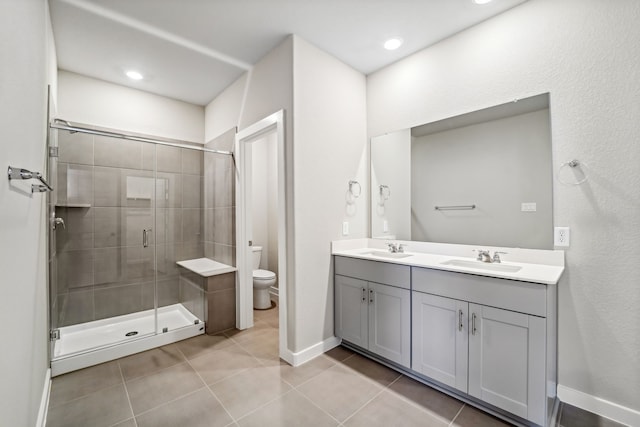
(91, 343)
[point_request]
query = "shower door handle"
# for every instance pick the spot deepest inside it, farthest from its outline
(145, 238)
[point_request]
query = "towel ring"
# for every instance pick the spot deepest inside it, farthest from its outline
(385, 193)
(573, 164)
(352, 184)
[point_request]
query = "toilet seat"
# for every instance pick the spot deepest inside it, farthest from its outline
(263, 274)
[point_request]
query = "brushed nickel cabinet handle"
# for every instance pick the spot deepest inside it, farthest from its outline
(473, 324)
(460, 314)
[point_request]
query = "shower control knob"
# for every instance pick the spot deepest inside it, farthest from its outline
(57, 222)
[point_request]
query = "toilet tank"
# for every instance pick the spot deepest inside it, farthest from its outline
(257, 253)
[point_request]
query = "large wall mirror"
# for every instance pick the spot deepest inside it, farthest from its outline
(482, 178)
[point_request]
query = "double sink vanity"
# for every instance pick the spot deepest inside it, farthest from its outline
(482, 331)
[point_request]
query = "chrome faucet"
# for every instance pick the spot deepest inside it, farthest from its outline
(485, 256)
(396, 247)
(496, 256)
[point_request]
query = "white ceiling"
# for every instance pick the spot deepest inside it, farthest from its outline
(193, 49)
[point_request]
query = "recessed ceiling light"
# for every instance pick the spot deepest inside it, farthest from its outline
(481, 1)
(134, 75)
(393, 43)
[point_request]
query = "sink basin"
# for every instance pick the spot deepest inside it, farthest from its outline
(385, 254)
(482, 265)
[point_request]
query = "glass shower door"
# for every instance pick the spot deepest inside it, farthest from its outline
(104, 291)
(131, 210)
(180, 236)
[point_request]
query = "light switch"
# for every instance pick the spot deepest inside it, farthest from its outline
(385, 226)
(528, 207)
(345, 228)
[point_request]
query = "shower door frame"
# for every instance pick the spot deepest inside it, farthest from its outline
(82, 359)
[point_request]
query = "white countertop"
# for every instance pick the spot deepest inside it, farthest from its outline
(206, 267)
(537, 266)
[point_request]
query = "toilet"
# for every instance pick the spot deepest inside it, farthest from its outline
(262, 281)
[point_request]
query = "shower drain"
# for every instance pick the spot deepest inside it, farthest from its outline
(132, 333)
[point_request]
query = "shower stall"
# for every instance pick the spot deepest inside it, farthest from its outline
(124, 210)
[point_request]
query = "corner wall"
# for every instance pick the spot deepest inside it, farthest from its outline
(584, 53)
(330, 149)
(325, 120)
(264, 90)
(24, 51)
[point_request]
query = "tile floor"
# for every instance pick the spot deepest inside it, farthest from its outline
(237, 379)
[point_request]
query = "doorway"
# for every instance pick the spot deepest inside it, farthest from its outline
(271, 127)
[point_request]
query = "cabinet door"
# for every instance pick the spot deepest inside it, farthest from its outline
(390, 322)
(506, 361)
(351, 310)
(440, 339)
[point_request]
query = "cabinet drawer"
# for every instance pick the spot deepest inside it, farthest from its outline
(374, 271)
(523, 297)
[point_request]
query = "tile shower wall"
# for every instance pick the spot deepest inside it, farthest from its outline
(107, 195)
(220, 201)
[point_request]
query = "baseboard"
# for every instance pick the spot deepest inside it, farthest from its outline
(44, 400)
(274, 295)
(314, 351)
(599, 406)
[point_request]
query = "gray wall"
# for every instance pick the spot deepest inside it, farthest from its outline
(496, 165)
(583, 52)
(87, 100)
(103, 270)
(23, 290)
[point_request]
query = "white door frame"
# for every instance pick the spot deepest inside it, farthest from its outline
(244, 312)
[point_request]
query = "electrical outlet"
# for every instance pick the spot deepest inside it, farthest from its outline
(561, 236)
(528, 207)
(345, 228)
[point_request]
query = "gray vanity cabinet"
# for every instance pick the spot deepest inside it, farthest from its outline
(507, 360)
(352, 310)
(373, 308)
(481, 336)
(440, 339)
